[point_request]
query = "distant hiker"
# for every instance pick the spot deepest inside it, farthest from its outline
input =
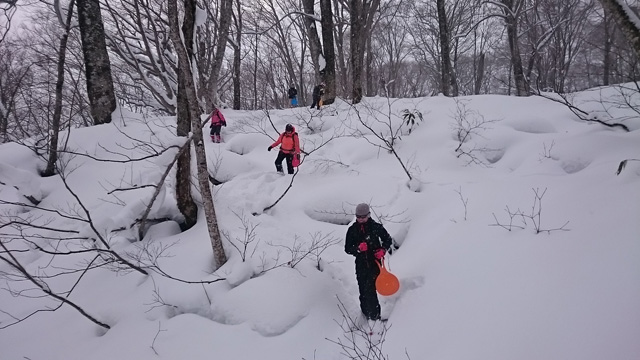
(318, 91)
(293, 96)
(368, 241)
(289, 147)
(217, 122)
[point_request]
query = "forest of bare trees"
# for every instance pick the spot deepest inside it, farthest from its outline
(358, 47)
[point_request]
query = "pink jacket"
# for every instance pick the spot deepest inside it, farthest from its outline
(217, 118)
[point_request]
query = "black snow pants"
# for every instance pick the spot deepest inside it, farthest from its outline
(289, 159)
(366, 274)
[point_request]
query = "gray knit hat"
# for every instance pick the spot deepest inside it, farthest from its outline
(362, 209)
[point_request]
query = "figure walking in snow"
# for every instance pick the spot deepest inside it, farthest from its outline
(217, 122)
(368, 241)
(293, 96)
(318, 91)
(289, 147)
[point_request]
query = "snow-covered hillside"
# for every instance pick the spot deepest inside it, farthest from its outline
(523, 244)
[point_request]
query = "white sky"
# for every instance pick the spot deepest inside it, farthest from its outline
(469, 290)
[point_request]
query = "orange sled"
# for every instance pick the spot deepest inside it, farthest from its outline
(386, 283)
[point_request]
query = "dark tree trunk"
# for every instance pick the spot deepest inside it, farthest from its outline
(608, 39)
(96, 61)
(339, 37)
(622, 15)
(329, 75)
(479, 74)
(362, 13)
(226, 13)
(315, 47)
(511, 22)
(186, 205)
(237, 47)
(54, 130)
(445, 49)
(357, 50)
(371, 89)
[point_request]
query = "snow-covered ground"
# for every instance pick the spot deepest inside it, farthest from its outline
(476, 282)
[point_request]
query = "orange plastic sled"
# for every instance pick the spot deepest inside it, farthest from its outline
(386, 283)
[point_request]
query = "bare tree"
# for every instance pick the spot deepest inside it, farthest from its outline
(511, 11)
(224, 21)
(626, 19)
(315, 47)
(57, 110)
(8, 9)
(185, 202)
(145, 58)
(362, 13)
(201, 157)
(237, 55)
(96, 60)
(448, 80)
(329, 71)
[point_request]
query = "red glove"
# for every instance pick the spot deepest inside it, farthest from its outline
(379, 254)
(362, 247)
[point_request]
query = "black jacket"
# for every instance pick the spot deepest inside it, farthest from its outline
(371, 232)
(318, 91)
(292, 92)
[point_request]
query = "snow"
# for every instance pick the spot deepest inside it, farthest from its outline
(470, 287)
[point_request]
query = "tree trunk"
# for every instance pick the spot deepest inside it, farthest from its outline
(608, 39)
(371, 89)
(54, 130)
(357, 50)
(237, 54)
(362, 13)
(339, 31)
(445, 49)
(201, 156)
(479, 74)
(315, 47)
(226, 12)
(626, 19)
(185, 202)
(329, 52)
(255, 71)
(96, 61)
(511, 22)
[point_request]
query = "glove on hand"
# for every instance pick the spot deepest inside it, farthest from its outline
(224, 123)
(362, 246)
(379, 254)
(269, 148)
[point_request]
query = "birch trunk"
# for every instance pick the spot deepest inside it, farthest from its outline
(201, 157)
(185, 202)
(54, 130)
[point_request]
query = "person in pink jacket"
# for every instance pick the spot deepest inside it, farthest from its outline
(289, 147)
(217, 122)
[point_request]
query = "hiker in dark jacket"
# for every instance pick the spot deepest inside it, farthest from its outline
(293, 96)
(368, 241)
(318, 91)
